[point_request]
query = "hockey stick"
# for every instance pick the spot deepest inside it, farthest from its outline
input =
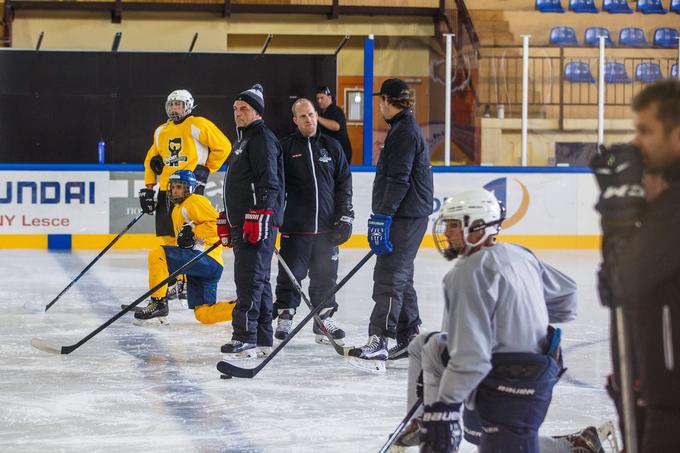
(96, 258)
(400, 427)
(342, 350)
(230, 369)
(47, 347)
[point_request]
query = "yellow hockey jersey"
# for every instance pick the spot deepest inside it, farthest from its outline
(194, 141)
(197, 209)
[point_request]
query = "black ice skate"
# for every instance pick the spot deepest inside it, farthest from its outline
(235, 349)
(156, 312)
(370, 357)
(400, 350)
(285, 323)
(586, 441)
(329, 326)
(409, 437)
(178, 291)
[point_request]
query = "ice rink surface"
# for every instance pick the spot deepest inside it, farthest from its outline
(147, 389)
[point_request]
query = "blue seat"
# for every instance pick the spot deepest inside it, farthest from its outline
(634, 37)
(592, 36)
(549, 6)
(583, 6)
(674, 71)
(651, 7)
(666, 37)
(675, 6)
(578, 72)
(616, 7)
(615, 72)
(648, 72)
(563, 36)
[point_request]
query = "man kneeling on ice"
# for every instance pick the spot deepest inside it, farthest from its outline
(193, 220)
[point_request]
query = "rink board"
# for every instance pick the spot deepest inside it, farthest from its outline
(85, 206)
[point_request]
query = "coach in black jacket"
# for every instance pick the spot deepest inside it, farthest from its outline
(253, 203)
(318, 217)
(402, 202)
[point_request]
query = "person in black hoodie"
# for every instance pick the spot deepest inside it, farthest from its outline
(641, 260)
(253, 210)
(317, 219)
(402, 202)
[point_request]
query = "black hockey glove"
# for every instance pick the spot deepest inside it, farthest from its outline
(342, 230)
(156, 164)
(441, 431)
(618, 171)
(186, 238)
(420, 391)
(146, 200)
(201, 173)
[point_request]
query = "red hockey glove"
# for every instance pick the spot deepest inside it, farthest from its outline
(224, 230)
(256, 225)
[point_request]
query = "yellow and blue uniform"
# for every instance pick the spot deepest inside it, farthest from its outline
(204, 275)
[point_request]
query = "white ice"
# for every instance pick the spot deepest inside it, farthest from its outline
(146, 389)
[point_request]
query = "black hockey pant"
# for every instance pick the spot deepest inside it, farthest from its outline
(307, 253)
(395, 314)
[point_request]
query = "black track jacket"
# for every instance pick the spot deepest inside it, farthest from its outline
(254, 176)
(318, 183)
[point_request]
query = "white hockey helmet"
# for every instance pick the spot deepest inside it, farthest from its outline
(474, 210)
(179, 96)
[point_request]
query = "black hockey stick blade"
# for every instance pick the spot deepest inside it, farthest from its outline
(47, 347)
(342, 350)
(230, 369)
(400, 427)
(96, 258)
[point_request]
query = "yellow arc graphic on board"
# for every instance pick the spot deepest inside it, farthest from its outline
(521, 211)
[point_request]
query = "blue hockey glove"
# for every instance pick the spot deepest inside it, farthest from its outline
(379, 234)
(441, 431)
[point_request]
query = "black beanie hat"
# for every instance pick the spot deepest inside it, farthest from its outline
(253, 97)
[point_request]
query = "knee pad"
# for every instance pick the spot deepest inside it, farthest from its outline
(218, 312)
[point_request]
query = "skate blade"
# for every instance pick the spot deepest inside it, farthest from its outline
(323, 339)
(372, 366)
(161, 321)
(607, 432)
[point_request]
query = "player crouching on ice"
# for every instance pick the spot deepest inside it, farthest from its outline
(496, 353)
(193, 220)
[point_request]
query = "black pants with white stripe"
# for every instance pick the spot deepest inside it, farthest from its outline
(396, 314)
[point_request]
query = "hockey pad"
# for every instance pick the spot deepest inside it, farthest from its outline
(156, 164)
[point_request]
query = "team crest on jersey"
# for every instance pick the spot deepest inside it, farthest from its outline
(324, 156)
(241, 146)
(175, 147)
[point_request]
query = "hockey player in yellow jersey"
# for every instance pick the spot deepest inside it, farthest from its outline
(193, 220)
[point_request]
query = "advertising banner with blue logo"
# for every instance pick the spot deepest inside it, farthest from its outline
(53, 202)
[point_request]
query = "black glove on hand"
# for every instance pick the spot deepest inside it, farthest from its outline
(618, 171)
(186, 238)
(441, 431)
(146, 201)
(342, 230)
(201, 173)
(156, 164)
(420, 393)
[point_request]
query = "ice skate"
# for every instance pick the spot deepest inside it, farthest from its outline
(409, 437)
(607, 432)
(586, 441)
(155, 313)
(400, 350)
(329, 326)
(178, 291)
(234, 349)
(285, 323)
(370, 357)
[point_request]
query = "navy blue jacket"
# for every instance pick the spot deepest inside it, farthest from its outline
(254, 176)
(403, 185)
(318, 183)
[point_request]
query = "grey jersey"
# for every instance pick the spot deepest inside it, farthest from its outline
(498, 300)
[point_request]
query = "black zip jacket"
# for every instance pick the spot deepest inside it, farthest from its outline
(254, 176)
(318, 183)
(647, 271)
(403, 185)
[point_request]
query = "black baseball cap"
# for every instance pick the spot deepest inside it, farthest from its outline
(325, 90)
(392, 88)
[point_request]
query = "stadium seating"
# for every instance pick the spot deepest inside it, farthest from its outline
(675, 6)
(674, 71)
(648, 72)
(666, 37)
(651, 7)
(633, 37)
(615, 72)
(583, 6)
(578, 72)
(592, 36)
(563, 36)
(616, 7)
(549, 6)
